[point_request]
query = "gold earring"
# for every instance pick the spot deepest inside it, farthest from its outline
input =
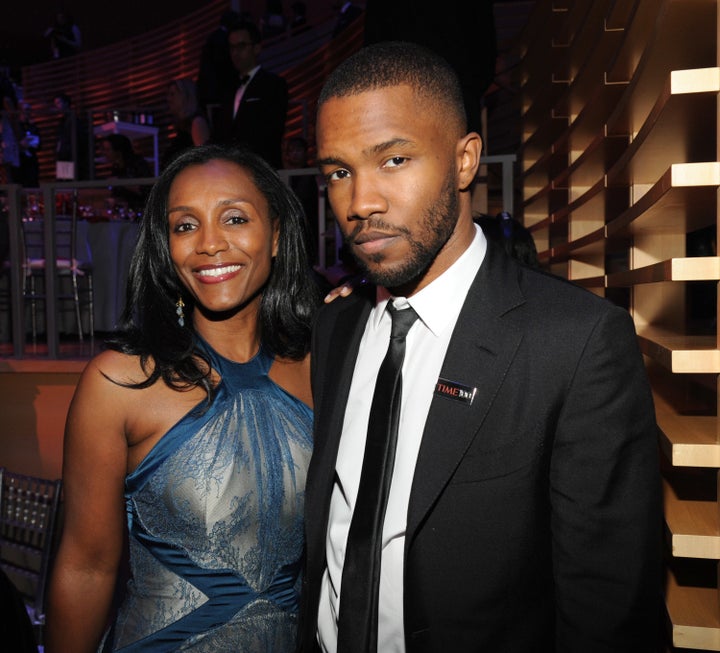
(179, 305)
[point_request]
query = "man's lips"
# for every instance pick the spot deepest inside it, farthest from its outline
(373, 241)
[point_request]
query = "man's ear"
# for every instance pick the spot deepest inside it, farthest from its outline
(469, 148)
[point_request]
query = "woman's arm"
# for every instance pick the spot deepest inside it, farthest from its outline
(94, 469)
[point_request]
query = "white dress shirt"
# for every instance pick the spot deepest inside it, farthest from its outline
(241, 90)
(438, 306)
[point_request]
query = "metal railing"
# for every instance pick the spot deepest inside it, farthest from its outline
(12, 195)
(327, 246)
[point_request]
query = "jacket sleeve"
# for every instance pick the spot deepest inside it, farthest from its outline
(605, 496)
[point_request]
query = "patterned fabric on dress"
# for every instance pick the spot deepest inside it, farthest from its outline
(215, 515)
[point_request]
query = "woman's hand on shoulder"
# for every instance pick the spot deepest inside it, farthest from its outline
(345, 289)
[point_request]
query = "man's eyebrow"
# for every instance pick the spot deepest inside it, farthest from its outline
(329, 161)
(379, 148)
(388, 145)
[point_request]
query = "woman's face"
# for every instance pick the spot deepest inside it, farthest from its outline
(222, 239)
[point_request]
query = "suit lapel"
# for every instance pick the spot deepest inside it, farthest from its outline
(346, 333)
(343, 348)
(481, 350)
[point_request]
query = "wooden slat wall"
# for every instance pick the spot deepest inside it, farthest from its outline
(620, 173)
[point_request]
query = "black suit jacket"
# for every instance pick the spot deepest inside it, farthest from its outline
(534, 521)
(260, 120)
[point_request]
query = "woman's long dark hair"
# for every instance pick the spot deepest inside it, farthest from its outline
(149, 324)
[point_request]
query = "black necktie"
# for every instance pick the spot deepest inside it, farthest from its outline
(358, 618)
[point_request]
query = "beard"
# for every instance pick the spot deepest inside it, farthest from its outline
(435, 228)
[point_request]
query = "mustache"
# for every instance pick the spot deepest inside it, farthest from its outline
(373, 224)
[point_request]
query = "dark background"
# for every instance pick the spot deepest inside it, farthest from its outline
(101, 23)
(23, 22)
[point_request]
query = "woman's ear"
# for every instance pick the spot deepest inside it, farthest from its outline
(469, 148)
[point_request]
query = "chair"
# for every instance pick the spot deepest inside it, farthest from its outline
(29, 527)
(73, 261)
(16, 630)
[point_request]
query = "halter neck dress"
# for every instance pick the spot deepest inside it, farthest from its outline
(215, 520)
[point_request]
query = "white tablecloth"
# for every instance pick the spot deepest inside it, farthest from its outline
(111, 246)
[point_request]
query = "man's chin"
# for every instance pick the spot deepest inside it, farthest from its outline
(389, 277)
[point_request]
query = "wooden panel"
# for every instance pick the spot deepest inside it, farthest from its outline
(692, 518)
(700, 268)
(681, 200)
(694, 615)
(667, 135)
(619, 183)
(681, 353)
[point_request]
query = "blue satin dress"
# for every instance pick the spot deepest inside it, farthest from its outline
(215, 518)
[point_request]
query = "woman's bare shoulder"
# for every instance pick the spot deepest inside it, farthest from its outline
(294, 377)
(119, 367)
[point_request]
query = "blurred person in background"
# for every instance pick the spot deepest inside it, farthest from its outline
(29, 173)
(71, 141)
(254, 113)
(216, 73)
(125, 163)
(65, 36)
(9, 130)
(190, 125)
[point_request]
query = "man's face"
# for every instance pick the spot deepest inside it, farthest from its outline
(390, 161)
(243, 51)
(110, 155)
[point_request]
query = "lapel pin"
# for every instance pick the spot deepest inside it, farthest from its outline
(456, 391)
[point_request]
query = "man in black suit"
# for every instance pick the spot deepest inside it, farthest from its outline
(217, 77)
(524, 512)
(254, 113)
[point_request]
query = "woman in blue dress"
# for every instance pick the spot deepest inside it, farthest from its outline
(190, 436)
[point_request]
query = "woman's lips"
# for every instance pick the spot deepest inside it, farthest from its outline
(218, 273)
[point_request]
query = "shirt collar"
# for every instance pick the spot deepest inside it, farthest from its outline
(252, 73)
(439, 303)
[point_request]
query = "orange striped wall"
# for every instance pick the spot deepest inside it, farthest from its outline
(134, 73)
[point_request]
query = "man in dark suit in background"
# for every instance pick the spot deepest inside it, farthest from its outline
(254, 113)
(217, 77)
(524, 511)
